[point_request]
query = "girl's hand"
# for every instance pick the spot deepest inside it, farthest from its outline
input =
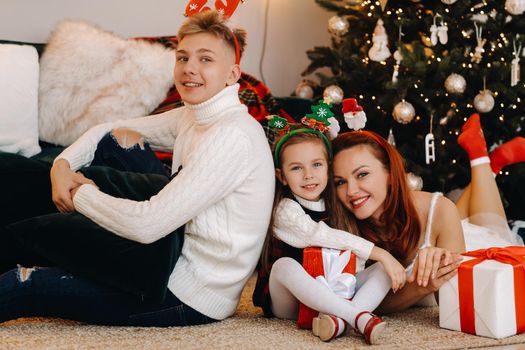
(428, 262)
(393, 268)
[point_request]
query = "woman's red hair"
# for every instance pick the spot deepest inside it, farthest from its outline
(399, 229)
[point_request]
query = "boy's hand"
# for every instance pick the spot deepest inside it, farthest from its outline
(84, 181)
(63, 181)
(393, 268)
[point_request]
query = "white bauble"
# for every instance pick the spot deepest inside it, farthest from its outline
(515, 7)
(333, 94)
(455, 84)
(304, 90)
(484, 101)
(338, 26)
(448, 2)
(404, 112)
(414, 182)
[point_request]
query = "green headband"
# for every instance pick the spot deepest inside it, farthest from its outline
(316, 123)
(295, 132)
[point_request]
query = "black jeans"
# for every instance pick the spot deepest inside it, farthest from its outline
(52, 292)
(134, 273)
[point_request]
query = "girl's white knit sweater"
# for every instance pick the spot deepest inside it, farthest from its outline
(223, 195)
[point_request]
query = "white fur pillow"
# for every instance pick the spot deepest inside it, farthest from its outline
(19, 99)
(89, 76)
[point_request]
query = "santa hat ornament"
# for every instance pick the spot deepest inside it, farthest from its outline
(196, 6)
(354, 115)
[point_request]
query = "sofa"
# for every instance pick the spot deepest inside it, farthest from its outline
(85, 76)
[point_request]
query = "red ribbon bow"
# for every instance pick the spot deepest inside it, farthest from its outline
(514, 256)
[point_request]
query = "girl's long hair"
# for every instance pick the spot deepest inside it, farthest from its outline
(399, 228)
(282, 191)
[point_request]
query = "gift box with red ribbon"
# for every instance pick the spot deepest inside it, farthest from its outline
(333, 268)
(487, 297)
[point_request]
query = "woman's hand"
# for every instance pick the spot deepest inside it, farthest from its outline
(392, 267)
(444, 273)
(432, 265)
(63, 182)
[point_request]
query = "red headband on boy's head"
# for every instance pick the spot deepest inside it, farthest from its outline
(196, 6)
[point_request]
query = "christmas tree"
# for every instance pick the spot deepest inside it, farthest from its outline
(421, 67)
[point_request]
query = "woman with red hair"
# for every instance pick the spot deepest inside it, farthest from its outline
(424, 231)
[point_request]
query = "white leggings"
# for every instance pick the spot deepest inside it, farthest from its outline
(291, 284)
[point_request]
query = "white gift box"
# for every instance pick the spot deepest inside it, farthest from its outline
(494, 302)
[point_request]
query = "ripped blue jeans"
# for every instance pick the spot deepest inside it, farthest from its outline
(52, 292)
(135, 159)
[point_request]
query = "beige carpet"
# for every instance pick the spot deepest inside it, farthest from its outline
(413, 329)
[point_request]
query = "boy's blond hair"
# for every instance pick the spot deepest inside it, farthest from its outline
(212, 22)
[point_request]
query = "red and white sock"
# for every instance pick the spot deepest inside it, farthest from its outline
(510, 152)
(472, 141)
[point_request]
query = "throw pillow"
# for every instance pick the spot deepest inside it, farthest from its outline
(19, 99)
(89, 76)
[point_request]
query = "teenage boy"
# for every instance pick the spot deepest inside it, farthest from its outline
(218, 194)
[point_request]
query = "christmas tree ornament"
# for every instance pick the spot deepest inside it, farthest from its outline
(430, 146)
(479, 50)
(433, 32)
(319, 118)
(450, 114)
(442, 33)
(398, 56)
(391, 139)
(438, 32)
(515, 7)
(515, 65)
(355, 116)
(334, 128)
(333, 94)
(403, 112)
(379, 50)
(455, 84)
(448, 2)
(414, 182)
(304, 90)
(352, 2)
(484, 101)
(338, 26)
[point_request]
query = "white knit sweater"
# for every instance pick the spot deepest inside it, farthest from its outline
(295, 227)
(223, 195)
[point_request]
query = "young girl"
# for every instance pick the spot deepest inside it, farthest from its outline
(302, 160)
(420, 228)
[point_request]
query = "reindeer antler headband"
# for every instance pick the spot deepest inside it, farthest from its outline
(196, 6)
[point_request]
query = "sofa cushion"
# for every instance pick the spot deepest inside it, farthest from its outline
(19, 99)
(89, 76)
